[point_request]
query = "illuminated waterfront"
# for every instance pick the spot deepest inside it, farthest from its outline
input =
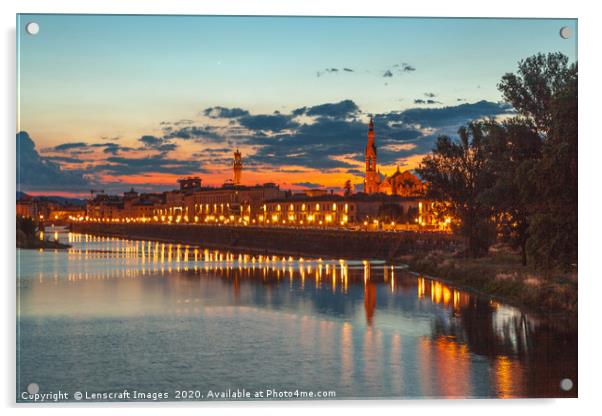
(110, 314)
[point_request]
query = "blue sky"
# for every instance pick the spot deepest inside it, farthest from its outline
(88, 77)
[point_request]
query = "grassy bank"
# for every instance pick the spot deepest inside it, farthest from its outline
(502, 276)
(28, 236)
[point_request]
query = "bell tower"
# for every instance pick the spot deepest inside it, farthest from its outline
(237, 165)
(371, 178)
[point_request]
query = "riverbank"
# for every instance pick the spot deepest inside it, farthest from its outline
(27, 243)
(334, 243)
(499, 276)
(502, 276)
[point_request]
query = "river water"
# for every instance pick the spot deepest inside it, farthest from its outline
(111, 314)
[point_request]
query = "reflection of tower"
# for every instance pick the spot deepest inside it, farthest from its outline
(371, 178)
(369, 301)
(237, 167)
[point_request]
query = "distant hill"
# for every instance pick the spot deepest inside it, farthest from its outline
(53, 198)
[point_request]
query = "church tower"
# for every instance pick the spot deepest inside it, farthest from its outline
(237, 165)
(372, 177)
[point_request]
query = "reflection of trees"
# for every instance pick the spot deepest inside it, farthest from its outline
(528, 357)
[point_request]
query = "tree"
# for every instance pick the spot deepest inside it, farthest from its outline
(456, 173)
(388, 212)
(544, 91)
(348, 188)
(534, 90)
(512, 147)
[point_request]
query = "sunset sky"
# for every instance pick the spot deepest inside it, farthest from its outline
(112, 102)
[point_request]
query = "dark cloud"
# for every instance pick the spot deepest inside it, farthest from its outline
(429, 101)
(332, 71)
(150, 141)
(152, 164)
(68, 146)
(403, 68)
(355, 172)
(317, 145)
(268, 122)
(198, 133)
(223, 112)
(37, 172)
(80, 148)
(430, 94)
(388, 74)
(63, 159)
(449, 116)
(340, 110)
(310, 185)
(407, 68)
(113, 148)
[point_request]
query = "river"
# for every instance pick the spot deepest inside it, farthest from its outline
(111, 314)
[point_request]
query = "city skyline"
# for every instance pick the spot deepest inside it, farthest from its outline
(293, 94)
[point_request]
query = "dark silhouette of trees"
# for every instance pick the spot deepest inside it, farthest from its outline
(512, 147)
(348, 188)
(544, 92)
(456, 173)
(390, 212)
(518, 176)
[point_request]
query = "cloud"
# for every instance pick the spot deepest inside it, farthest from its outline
(325, 136)
(160, 144)
(223, 112)
(198, 133)
(150, 141)
(63, 159)
(113, 148)
(327, 71)
(80, 148)
(340, 110)
(347, 69)
(407, 68)
(69, 146)
(421, 101)
(333, 140)
(399, 69)
(268, 122)
(449, 116)
(151, 164)
(309, 185)
(35, 172)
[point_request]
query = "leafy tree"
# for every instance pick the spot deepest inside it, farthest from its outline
(390, 212)
(348, 188)
(27, 226)
(544, 91)
(456, 173)
(411, 215)
(511, 148)
(534, 90)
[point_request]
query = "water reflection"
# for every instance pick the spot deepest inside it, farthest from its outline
(365, 329)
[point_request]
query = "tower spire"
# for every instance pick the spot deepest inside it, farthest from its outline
(371, 177)
(237, 165)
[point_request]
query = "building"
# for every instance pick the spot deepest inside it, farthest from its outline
(237, 165)
(331, 210)
(226, 204)
(393, 202)
(400, 183)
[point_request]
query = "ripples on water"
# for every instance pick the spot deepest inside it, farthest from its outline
(110, 314)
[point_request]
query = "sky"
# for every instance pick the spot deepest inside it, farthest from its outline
(113, 102)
